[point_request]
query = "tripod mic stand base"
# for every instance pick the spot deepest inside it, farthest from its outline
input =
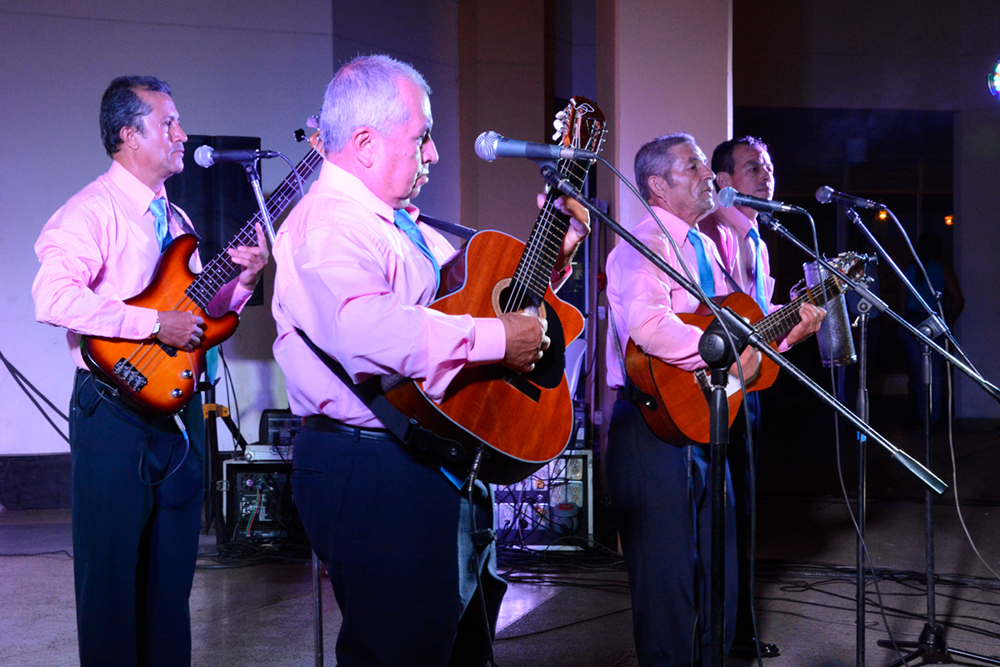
(931, 643)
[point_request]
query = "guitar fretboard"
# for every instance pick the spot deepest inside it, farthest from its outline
(783, 320)
(221, 270)
(534, 270)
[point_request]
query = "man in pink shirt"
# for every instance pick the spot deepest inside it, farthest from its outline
(137, 483)
(744, 164)
(658, 491)
(355, 274)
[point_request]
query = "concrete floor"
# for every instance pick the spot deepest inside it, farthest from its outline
(574, 610)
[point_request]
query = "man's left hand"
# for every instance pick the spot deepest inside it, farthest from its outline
(579, 228)
(812, 317)
(253, 260)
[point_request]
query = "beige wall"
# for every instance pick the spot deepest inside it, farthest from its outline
(657, 73)
(501, 88)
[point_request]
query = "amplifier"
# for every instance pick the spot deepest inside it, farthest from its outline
(277, 431)
(553, 508)
(257, 503)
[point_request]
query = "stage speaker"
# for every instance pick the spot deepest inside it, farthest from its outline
(219, 199)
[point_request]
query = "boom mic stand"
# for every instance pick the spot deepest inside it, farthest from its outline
(931, 640)
(729, 321)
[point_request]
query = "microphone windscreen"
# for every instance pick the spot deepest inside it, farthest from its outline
(486, 145)
(824, 194)
(203, 156)
(727, 197)
(836, 344)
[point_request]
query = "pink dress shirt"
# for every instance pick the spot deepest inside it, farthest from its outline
(644, 302)
(359, 287)
(729, 228)
(99, 249)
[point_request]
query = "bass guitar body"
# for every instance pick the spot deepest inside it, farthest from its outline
(522, 420)
(158, 380)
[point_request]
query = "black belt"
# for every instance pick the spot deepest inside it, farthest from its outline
(328, 425)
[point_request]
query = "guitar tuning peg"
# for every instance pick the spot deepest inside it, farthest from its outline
(556, 136)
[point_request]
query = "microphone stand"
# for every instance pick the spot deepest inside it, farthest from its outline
(251, 168)
(931, 641)
(715, 345)
(862, 406)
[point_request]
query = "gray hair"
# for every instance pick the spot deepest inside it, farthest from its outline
(656, 159)
(364, 93)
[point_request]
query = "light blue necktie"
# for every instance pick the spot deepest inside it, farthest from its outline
(403, 220)
(758, 270)
(158, 207)
(706, 278)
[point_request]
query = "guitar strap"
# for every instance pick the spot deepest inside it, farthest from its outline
(408, 431)
(185, 221)
(460, 231)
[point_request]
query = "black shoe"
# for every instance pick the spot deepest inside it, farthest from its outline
(747, 648)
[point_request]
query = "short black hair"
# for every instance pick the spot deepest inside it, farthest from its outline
(722, 156)
(122, 107)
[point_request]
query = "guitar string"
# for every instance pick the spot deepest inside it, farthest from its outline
(522, 284)
(526, 277)
(529, 264)
(778, 321)
(151, 354)
(541, 243)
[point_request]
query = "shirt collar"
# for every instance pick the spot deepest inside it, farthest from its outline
(735, 218)
(135, 190)
(677, 228)
(336, 177)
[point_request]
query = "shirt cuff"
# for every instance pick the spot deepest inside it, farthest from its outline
(490, 344)
(138, 323)
(560, 277)
(240, 295)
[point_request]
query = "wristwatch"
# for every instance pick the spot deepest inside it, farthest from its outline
(156, 328)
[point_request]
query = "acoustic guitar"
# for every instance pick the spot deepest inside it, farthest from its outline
(521, 420)
(676, 406)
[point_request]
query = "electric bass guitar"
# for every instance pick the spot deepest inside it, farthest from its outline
(521, 420)
(676, 405)
(158, 380)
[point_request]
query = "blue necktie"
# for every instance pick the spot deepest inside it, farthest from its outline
(403, 220)
(158, 207)
(758, 270)
(706, 278)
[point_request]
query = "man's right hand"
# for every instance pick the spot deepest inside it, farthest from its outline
(526, 341)
(180, 329)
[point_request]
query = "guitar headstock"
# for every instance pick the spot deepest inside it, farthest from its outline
(580, 125)
(314, 139)
(851, 264)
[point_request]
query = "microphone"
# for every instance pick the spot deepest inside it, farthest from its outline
(490, 146)
(729, 197)
(826, 195)
(836, 343)
(206, 156)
